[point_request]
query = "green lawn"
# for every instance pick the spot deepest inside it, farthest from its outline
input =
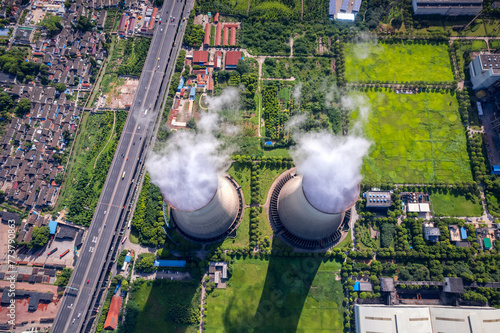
(279, 295)
(242, 234)
(416, 139)
(397, 62)
(452, 204)
(264, 225)
(241, 173)
(156, 299)
(283, 152)
(267, 177)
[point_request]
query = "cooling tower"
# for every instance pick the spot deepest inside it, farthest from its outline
(300, 223)
(216, 219)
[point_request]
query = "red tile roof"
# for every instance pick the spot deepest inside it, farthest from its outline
(224, 38)
(218, 31)
(216, 18)
(200, 57)
(114, 310)
(207, 34)
(232, 58)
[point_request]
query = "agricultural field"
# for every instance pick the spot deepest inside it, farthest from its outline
(416, 139)
(163, 306)
(270, 296)
(401, 62)
(454, 204)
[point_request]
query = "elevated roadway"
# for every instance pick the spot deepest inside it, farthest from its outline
(87, 283)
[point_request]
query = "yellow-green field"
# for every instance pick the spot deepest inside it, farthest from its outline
(416, 139)
(397, 62)
(278, 295)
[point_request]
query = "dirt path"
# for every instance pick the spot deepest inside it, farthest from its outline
(302, 16)
(291, 46)
(110, 137)
(248, 8)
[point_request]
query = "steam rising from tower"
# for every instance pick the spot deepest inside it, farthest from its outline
(311, 204)
(190, 173)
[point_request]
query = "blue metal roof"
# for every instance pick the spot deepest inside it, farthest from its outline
(495, 169)
(357, 4)
(170, 263)
(52, 227)
(127, 258)
(345, 3)
(356, 286)
(331, 8)
(463, 233)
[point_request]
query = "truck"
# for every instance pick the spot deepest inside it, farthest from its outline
(64, 253)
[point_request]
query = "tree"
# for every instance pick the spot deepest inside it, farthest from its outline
(52, 23)
(84, 24)
(40, 237)
(23, 107)
(124, 286)
(61, 87)
(63, 278)
(145, 263)
(243, 67)
(191, 123)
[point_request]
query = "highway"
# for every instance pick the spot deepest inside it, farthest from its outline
(101, 242)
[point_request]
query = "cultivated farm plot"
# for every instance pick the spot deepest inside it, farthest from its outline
(416, 139)
(279, 295)
(397, 62)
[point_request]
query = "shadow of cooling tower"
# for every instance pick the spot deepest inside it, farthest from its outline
(287, 285)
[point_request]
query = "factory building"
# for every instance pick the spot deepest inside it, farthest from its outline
(296, 220)
(217, 219)
(428, 319)
(447, 7)
(484, 70)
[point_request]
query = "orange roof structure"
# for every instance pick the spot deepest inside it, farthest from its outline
(216, 18)
(207, 34)
(218, 31)
(114, 309)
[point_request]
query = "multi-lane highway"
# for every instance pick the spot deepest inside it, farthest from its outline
(75, 313)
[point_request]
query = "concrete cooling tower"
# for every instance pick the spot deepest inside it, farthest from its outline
(217, 219)
(298, 222)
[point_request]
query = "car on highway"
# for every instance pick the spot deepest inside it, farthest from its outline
(123, 176)
(127, 158)
(88, 281)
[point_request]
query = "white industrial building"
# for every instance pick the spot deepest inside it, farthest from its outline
(447, 7)
(425, 319)
(345, 10)
(484, 70)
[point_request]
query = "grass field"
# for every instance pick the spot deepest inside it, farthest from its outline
(279, 295)
(242, 234)
(85, 176)
(397, 62)
(241, 173)
(267, 177)
(452, 204)
(416, 139)
(156, 299)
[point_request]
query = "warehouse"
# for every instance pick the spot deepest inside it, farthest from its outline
(428, 319)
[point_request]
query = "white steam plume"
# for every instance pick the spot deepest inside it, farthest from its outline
(188, 168)
(297, 91)
(331, 164)
(364, 44)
